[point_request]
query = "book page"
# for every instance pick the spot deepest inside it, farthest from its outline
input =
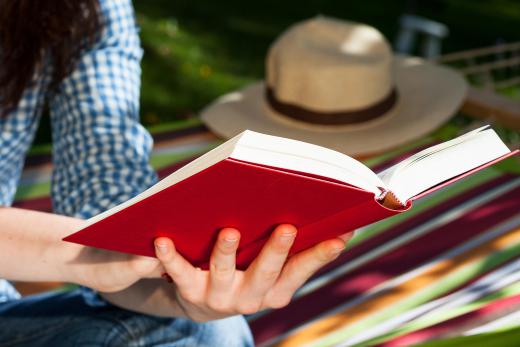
(439, 163)
(305, 157)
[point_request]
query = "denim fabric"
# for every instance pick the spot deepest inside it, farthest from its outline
(64, 319)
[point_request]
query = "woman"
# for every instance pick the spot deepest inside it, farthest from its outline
(81, 58)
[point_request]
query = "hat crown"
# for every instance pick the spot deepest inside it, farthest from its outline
(328, 65)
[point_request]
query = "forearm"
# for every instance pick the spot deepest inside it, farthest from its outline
(149, 296)
(31, 248)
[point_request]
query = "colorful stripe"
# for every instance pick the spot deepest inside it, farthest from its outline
(441, 308)
(487, 308)
(423, 287)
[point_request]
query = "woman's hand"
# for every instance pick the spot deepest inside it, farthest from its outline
(269, 282)
(108, 271)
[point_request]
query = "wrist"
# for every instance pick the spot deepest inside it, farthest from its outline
(67, 255)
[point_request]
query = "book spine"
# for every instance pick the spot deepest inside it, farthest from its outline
(390, 200)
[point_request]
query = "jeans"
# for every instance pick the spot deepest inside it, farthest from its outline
(59, 319)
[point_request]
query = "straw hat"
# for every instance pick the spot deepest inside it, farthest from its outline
(337, 84)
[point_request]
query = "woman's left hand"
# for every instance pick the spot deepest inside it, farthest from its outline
(269, 282)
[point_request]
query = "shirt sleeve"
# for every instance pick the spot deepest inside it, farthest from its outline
(17, 131)
(100, 150)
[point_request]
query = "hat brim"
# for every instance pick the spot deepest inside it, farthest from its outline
(428, 96)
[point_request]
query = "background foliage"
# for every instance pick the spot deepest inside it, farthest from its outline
(196, 50)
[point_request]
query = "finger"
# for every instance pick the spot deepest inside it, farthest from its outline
(266, 268)
(124, 271)
(300, 268)
(180, 270)
(222, 262)
(147, 267)
(222, 267)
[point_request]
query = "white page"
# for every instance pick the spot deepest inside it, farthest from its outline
(305, 157)
(439, 163)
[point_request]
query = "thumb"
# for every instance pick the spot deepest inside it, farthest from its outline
(145, 266)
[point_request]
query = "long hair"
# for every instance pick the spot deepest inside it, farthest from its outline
(31, 29)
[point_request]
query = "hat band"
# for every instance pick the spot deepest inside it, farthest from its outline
(331, 118)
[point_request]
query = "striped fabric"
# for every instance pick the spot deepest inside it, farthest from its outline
(449, 267)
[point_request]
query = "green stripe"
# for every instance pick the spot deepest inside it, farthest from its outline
(424, 204)
(177, 125)
(441, 316)
(503, 338)
(44, 148)
(442, 286)
(32, 191)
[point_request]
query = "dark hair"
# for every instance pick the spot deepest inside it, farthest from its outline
(30, 29)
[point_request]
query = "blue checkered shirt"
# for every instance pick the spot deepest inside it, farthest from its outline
(100, 151)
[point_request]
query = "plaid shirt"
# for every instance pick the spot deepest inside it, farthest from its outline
(100, 151)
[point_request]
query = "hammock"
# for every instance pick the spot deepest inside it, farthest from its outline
(494, 74)
(449, 267)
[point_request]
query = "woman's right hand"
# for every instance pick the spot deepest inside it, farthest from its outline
(222, 291)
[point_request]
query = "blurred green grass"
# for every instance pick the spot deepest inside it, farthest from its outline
(196, 50)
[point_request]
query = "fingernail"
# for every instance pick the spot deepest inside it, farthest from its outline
(287, 237)
(162, 247)
(229, 241)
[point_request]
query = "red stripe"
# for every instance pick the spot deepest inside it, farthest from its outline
(491, 309)
(43, 204)
(394, 263)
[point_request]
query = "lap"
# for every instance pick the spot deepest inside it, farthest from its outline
(64, 319)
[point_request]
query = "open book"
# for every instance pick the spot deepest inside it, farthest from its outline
(255, 181)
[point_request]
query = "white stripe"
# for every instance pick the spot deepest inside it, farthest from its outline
(510, 320)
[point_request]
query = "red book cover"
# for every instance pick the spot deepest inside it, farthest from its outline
(250, 197)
